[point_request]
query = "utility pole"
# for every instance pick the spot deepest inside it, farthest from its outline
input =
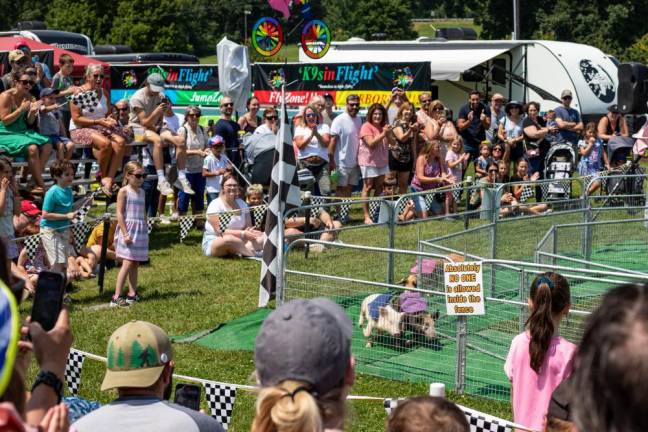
(516, 20)
(246, 12)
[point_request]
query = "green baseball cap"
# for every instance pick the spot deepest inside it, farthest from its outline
(137, 354)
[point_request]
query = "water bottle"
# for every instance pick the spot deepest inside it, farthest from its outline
(335, 175)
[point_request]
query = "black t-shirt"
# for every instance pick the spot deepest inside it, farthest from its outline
(474, 134)
(539, 123)
(228, 129)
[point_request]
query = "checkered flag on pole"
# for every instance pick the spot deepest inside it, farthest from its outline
(284, 196)
(220, 398)
(73, 370)
(83, 206)
(31, 244)
(527, 192)
(80, 233)
(186, 222)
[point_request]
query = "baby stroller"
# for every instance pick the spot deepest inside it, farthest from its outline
(623, 190)
(559, 163)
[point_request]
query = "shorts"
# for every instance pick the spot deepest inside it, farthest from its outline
(57, 245)
(373, 172)
(58, 139)
(348, 176)
(206, 243)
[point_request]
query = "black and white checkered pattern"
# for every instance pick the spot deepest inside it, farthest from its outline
(88, 100)
(456, 192)
(73, 370)
(80, 233)
(478, 421)
(527, 192)
(220, 398)
(30, 244)
(185, 222)
(284, 196)
(83, 206)
(374, 210)
(317, 200)
(344, 210)
(150, 223)
(258, 213)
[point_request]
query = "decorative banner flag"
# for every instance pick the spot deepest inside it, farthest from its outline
(282, 6)
(284, 196)
(220, 398)
(83, 207)
(186, 222)
(527, 192)
(258, 215)
(343, 211)
(80, 233)
(150, 222)
(73, 370)
(31, 243)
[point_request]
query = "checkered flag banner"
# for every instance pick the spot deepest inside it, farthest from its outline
(83, 206)
(31, 243)
(220, 398)
(258, 213)
(224, 219)
(73, 370)
(186, 222)
(150, 223)
(316, 201)
(343, 211)
(284, 196)
(478, 421)
(374, 210)
(80, 233)
(527, 192)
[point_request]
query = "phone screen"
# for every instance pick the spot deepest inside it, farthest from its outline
(188, 395)
(48, 300)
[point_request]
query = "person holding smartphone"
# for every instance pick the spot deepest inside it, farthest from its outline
(474, 119)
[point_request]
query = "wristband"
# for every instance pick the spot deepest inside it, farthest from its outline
(242, 235)
(50, 379)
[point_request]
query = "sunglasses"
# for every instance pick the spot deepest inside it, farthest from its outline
(122, 109)
(311, 115)
(492, 171)
(230, 186)
(193, 115)
(98, 76)
(438, 109)
(272, 117)
(230, 104)
(139, 176)
(426, 101)
(567, 97)
(29, 83)
(497, 149)
(354, 105)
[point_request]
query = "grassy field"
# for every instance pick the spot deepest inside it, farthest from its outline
(185, 292)
(428, 28)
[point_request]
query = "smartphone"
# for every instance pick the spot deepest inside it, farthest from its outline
(188, 395)
(48, 299)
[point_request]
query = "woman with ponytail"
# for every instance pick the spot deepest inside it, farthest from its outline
(539, 359)
(304, 367)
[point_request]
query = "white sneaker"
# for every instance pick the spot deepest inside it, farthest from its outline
(175, 216)
(184, 186)
(165, 220)
(164, 187)
(317, 247)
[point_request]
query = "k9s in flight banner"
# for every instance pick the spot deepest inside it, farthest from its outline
(373, 82)
(186, 84)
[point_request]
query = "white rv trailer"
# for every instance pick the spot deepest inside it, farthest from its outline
(533, 70)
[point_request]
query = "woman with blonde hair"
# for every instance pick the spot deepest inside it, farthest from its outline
(440, 127)
(311, 140)
(402, 150)
(304, 367)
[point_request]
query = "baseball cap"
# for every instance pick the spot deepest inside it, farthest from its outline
(48, 91)
(566, 93)
(9, 334)
(614, 108)
(137, 354)
(156, 82)
(20, 45)
(16, 55)
(216, 140)
(29, 208)
(304, 340)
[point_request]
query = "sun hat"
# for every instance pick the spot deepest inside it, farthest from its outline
(16, 55)
(137, 354)
(513, 103)
(566, 93)
(156, 82)
(9, 334)
(304, 340)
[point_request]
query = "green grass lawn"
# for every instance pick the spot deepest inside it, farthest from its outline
(185, 292)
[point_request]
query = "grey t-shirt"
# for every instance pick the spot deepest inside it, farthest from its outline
(146, 414)
(147, 103)
(48, 123)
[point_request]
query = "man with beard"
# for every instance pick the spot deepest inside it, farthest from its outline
(140, 368)
(229, 129)
(343, 147)
(474, 119)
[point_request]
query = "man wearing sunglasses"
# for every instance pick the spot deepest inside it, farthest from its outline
(343, 146)
(229, 130)
(148, 106)
(270, 122)
(570, 125)
(17, 60)
(422, 116)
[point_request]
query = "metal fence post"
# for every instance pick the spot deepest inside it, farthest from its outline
(521, 294)
(493, 252)
(586, 237)
(460, 373)
(391, 240)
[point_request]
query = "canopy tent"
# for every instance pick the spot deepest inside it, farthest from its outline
(80, 61)
(457, 56)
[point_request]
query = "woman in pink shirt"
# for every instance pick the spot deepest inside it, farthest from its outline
(375, 135)
(539, 359)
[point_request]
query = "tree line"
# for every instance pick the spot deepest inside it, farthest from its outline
(195, 26)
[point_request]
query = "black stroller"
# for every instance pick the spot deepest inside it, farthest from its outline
(627, 190)
(559, 162)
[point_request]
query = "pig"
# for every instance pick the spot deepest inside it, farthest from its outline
(389, 319)
(421, 325)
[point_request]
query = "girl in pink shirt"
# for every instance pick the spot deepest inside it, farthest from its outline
(375, 136)
(538, 359)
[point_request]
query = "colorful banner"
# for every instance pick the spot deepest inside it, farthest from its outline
(373, 82)
(186, 84)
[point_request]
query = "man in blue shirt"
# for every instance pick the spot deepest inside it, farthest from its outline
(474, 119)
(570, 125)
(229, 129)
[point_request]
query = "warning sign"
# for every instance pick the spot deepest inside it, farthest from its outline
(463, 288)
